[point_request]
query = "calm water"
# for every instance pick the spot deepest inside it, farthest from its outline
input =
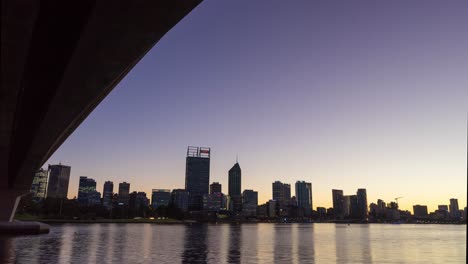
(246, 243)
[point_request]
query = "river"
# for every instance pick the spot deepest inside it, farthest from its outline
(245, 243)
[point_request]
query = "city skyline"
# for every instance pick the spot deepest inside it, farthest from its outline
(349, 96)
(336, 201)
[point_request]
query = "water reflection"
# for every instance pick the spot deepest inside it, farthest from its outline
(305, 243)
(7, 253)
(283, 249)
(195, 250)
(249, 243)
(234, 253)
(352, 243)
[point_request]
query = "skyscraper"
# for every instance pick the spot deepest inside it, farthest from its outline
(215, 187)
(353, 207)
(277, 189)
(160, 197)
(39, 185)
(107, 194)
(286, 194)
(338, 209)
(420, 210)
(180, 199)
(124, 191)
(304, 196)
(454, 210)
(281, 193)
(59, 177)
(347, 205)
(249, 203)
(235, 187)
(197, 175)
(137, 204)
(362, 203)
(86, 186)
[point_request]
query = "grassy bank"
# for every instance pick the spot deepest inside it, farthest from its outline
(90, 221)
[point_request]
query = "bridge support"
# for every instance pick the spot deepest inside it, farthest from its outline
(9, 200)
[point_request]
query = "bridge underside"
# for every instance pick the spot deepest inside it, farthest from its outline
(59, 59)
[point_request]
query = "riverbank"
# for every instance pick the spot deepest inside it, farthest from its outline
(184, 222)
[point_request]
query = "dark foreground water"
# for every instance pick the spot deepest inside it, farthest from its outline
(246, 243)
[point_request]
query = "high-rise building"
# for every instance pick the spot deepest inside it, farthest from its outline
(213, 202)
(443, 208)
(124, 191)
(85, 187)
(381, 204)
(59, 177)
(107, 194)
(160, 197)
(282, 195)
(235, 187)
(94, 198)
(353, 206)
(137, 204)
(362, 203)
(420, 210)
(249, 203)
(39, 184)
(197, 175)
(272, 207)
(304, 196)
(338, 209)
(454, 210)
(286, 194)
(180, 199)
(346, 205)
(215, 187)
(277, 189)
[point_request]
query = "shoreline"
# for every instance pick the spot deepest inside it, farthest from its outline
(190, 222)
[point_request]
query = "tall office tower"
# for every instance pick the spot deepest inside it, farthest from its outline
(215, 187)
(304, 196)
(454, 211)
(281, 193)
(338, 203)
(347, 206)
(277, 188)
(85, 187)
(197, 176)
(107, 194)
(180, 199)
(235, 187)
(443, 208)
(249, 203)
(124, 191)
(160, 197)
(420, 210)
(362, 203)
(286, 194)
(39, 184)
(137, 204)
(59, 177)
(213, 202)
(353, 206)
(381, 204)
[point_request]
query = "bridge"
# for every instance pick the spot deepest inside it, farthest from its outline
(59, 60)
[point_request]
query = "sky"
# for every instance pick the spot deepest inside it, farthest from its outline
(342, 94)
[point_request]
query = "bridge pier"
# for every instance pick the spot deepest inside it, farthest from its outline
(9, 200)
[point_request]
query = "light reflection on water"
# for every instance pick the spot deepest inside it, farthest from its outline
(246, 243)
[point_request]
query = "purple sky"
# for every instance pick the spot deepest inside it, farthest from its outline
(355, 94)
